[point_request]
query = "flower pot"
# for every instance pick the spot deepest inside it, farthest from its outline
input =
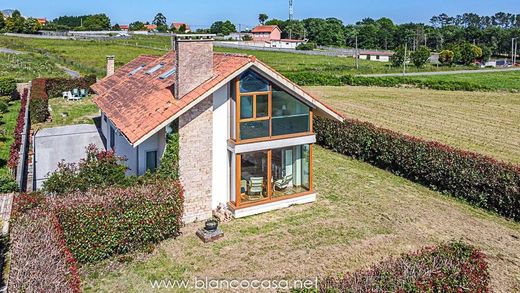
(211, 225)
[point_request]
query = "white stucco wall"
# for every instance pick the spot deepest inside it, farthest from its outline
(221, 132)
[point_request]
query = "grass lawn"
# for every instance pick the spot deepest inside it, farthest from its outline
(486, 123)
(8, 122)
(79, 112)
(509, 80)
(362, 215)
(25, 67)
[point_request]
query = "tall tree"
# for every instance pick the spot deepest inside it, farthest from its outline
(159, 19)
(262, 17)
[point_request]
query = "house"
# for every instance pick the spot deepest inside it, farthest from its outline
(42, 21)
(376, 56)
(150, 27)
(266, 33)
(124, 27)
(286, 43)
(178, 25)
(245, 131)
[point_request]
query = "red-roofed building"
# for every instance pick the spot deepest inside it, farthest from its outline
(244, 131)
(266, 33)
(150, 27)
(42, 21)
(178, 25)
(124, 27)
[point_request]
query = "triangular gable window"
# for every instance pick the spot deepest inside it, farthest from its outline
(251, 82)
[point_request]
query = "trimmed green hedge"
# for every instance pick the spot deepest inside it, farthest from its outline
(100, 223)
(56, 86)
(451, 267)
(39, 101)
(7, 86)
(478, 179)
(322, 79)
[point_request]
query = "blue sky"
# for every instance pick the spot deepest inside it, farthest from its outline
(204, 12)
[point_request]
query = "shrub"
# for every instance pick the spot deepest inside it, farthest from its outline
(39, 102)
(102, 223)
(446, 57)
(24, 202)
(420, 56)
(399, 58)
(169, 167)
(4, 108)
(14, 152)
(7, 184)
(40, 261)
(478, 179)
(309, 46)
(452, 267)
(56, 86)
(100, 169)
(7, 86)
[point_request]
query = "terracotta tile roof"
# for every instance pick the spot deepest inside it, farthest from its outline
(139, 103)
(265, 28)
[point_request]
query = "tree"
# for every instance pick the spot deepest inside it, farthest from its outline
(31, 26)
(96, 22)
(136, 26)
(466, 53)
(2, 22)
(399, 57)
(420, 56)
(159, 19)
(116, 27)
(15, 23)
(262, 17)
(293, 29)
(446, 57)
(223, 28)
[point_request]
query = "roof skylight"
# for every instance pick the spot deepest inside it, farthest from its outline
(136, 70)
(155, 68)
(168, 73)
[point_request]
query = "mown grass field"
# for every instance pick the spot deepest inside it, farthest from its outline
(362, 215)
(486, 123)
(508, 80)
(25, 67)
(7, 123)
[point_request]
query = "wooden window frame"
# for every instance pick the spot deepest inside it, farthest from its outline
(237, 204)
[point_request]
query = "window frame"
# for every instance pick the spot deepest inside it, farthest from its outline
(269, 117)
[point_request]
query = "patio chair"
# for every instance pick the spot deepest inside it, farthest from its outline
(75, 93)
(283, 183)
(256, 187)
(67, 95)
(82, 93)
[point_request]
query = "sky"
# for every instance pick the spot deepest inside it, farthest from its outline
(204, 12)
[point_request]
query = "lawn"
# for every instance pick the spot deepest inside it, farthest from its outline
(508, 80)
(484, 122)
(77, 112)
(25, 67)
(362, 215)
(7, 123)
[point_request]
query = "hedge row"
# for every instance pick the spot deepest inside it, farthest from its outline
(478, 179)
(100, 223)
(14, 152)
(452, 267)
(39, 102)
(7, 86)
(56, 86)
(317, 79)
(40, 261)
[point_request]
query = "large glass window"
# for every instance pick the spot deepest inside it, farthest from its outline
(267, 111)
(290, 170)
(253, 176)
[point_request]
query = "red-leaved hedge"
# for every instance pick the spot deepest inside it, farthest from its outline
(14, 152)
(480, 180)
(100, 223)
(40, 260)
(451, 267)
(39, 102)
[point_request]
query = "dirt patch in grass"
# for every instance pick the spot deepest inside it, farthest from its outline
(362, 215)
(485, 123)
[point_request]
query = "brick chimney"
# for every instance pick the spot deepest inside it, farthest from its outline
(110, 65)
(194, 62)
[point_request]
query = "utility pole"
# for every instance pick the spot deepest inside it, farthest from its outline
(516, 48)
(357, 54)
(513, 50)
(404, 59)
(239, 32)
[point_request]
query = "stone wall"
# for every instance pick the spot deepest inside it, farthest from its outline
(195, 160)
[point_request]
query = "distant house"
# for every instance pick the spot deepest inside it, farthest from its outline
(266, 33)
(376, 56)
(42, 21)
(124, 27)
(177, 26)
(150, 27)
(286, 43)
(245, 132)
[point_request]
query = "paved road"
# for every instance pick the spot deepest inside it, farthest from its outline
(52, 145)
(441, 72)
(70, 72)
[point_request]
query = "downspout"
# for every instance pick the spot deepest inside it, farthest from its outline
(137, 162)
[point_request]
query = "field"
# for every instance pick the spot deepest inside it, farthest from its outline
(362, 215)
(486, 123)
(8, 123)
(25, 67)
(77, 112)
(509, 80)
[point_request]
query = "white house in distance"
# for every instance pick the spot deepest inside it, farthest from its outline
(381, 56)
(245, 131)
(270, 36)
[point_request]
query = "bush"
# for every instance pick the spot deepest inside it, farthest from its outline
(7, 86)
(446, 57)
(14, 152)
(478, 179)
(100, 169)
(39, 102)
(169, 167)
(7, 184)
(4, 108)
(24, 202)
(420, 56)
(309, 46)
(452, 267)
(399, 58)
(99, 224)
(56, 86)
(40, 261)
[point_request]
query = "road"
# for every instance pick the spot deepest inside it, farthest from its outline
(441, 72)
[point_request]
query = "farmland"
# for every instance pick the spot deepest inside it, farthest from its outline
(362, 215)
(24, 67)
(486, 123)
